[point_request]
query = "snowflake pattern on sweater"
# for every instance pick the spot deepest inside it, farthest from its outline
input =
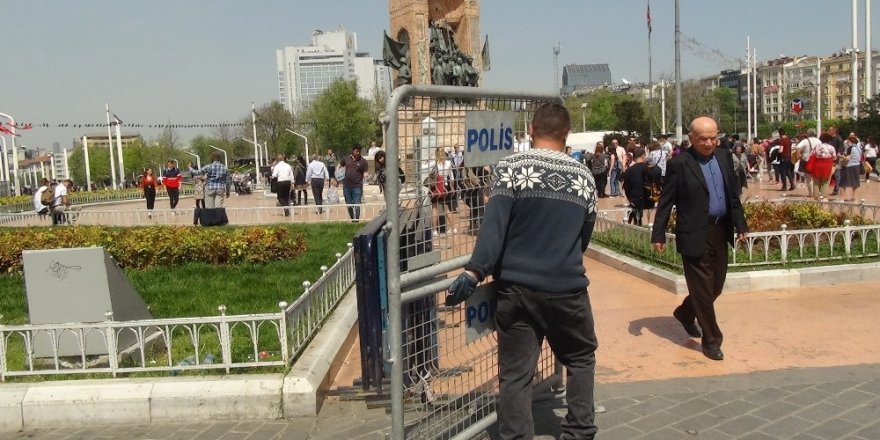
(548, 174)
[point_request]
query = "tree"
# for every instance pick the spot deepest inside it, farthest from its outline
(272, 120)
(169, 137)
(341, 118)
(631, 117)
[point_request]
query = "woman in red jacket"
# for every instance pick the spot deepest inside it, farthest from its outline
(148, 184)
(171, 178)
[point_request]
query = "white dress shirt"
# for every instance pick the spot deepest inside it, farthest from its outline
(283, 172)
(316, 170)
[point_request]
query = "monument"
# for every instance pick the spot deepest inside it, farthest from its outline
(78, 285)
(435, 42)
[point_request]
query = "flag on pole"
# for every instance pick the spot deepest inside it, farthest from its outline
(484, 54)
(649, 16)
(118, 121)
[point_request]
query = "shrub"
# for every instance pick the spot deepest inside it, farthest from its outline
(153, 246)
(768, 216)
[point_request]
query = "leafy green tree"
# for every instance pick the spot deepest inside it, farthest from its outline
(341, 118)
(631, 117)
(169, 137)
(272, 120)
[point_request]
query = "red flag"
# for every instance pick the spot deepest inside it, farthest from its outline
(7, 131)
(649, 17)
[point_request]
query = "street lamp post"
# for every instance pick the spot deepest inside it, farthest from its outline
(14, 154)
(303, 138)
(257, 164)
(198, 159)
(4, 173)
(85, 142)
(52, 166)
(225, 157)
(66, 165)
(110, 147)
(584, 117)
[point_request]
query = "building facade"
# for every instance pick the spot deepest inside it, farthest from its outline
(584, 76)
(304, 72)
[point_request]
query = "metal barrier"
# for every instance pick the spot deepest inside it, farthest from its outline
(184, 216)
(443, 384)
(95, 197)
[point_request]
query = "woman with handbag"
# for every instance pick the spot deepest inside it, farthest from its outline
(820, 165)
(438, 182)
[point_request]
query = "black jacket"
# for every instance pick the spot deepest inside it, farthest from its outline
(685, 188)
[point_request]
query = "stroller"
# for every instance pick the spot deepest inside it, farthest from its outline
(242, 184)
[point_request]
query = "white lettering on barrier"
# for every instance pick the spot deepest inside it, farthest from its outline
(479, 313)
(488, 138)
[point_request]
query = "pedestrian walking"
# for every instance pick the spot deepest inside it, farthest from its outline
(702, 186)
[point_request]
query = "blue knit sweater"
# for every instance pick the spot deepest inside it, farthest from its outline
(538, 222)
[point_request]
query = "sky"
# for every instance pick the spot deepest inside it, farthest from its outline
(202, 62)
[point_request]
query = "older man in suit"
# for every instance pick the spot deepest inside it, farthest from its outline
(701, 184)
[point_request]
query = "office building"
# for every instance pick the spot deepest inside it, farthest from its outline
(304, 72)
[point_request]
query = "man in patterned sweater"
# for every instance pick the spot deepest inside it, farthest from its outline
(537, 225)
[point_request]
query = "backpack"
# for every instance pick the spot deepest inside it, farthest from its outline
(47, 196)
(598, 164)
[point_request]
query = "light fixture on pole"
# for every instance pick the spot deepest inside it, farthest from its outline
(198, 159)
(110, 147)
(256, 145)
(85, 143)
(305, 139)
(52, 166)
(257, 170)
(17, 191)
(225, 157)
(118, 123)
(66, 165)
(4, 173)
(584, 116)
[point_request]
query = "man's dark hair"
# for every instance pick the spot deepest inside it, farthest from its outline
(781, 131)
(638, 152)
(356, 147)
(551, 121)
(825, 138)
(216, 156)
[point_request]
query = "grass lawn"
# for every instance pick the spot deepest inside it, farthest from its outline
(197, 289)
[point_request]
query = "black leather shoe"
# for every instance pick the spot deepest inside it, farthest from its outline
(713, 353)
(689, 327)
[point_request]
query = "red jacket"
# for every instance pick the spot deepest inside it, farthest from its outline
(172, 182)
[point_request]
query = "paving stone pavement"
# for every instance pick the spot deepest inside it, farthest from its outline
(833, 403)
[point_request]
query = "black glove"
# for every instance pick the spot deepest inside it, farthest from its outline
(460, 289)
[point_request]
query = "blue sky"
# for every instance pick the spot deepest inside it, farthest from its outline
(195, 61)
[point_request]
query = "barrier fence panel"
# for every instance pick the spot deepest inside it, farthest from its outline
(443, 359)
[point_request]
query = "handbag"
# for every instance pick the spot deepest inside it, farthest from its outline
(866, 167)
(811, 163)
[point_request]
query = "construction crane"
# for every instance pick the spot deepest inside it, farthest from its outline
(711, 54)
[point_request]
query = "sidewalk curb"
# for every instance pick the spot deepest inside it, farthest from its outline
(188, 399)
(304, 387)
(741, 281)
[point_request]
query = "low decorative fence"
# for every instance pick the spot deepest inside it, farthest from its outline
(93, 197)
(184, 216)
(771, 249)
(223, 342)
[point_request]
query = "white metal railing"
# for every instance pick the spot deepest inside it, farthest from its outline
(308, 312)
(184, 216)
(87, 198)
(768, 249)
(223, 342)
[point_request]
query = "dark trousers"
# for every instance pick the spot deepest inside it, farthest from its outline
(150, 195)
(635, 215)
(302, 197)
(474, 199)
(705, 277)
(318, 192)
(524, 317)
(173, 196)
(283, 194)
(601, 181)
(787, 169)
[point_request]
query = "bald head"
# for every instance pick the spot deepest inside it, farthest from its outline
(704, 135)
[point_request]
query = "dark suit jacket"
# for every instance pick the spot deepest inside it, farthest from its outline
(685, 187)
